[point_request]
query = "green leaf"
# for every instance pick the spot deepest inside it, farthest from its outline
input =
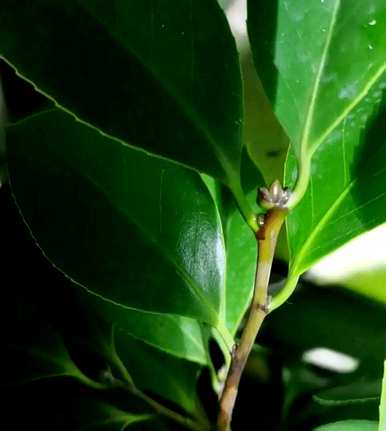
(40, 354)
(359, 392)
(152, 370)
(241, 264)
(160, 75)
(349, 425)
(101, 212)
(349, 203)
(369, 282)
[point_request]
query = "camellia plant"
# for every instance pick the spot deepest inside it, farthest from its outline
(146, 179)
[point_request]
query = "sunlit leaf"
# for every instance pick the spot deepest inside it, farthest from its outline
(105, 220)
(40, 354)
(382, 405)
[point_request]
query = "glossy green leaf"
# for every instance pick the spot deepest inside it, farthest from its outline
(241, 266)
(349, 425)
(368, 282)
(40, 354)
(324, 97)
(159, 75)
(101, 212)
(177, 335)
(159, 373)
(350, 201)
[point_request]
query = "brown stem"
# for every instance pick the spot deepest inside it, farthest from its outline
(267, 238)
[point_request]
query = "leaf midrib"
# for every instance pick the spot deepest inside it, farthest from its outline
(316, 86)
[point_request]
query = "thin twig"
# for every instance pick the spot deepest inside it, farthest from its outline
(267, 238)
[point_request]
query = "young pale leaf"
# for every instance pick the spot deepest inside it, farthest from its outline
(155, 371)
(160, 75)
(349, 425)
(133, 229)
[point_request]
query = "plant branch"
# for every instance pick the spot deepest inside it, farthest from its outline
(267, 238)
